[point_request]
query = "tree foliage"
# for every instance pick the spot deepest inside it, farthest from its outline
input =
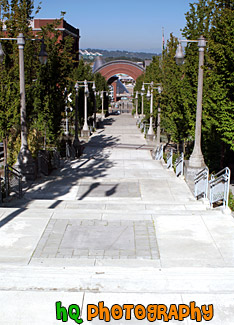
(214, 19)
(45, 85)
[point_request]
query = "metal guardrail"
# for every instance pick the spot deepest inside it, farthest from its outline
(43, 162)
(47, 160)
(159, 153)
(179, 164)
(13, 181)
(70, 152)
(141, 125)
(146, 128)
(55, 159)
(169, 159)
(219, 187)
(201, 183)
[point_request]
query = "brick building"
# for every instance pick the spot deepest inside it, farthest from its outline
(65, 29)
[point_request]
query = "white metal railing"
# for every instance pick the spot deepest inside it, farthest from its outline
(169, 159)
(201, 183)
(179, 163)
(159, 153)
(219, 187)
(146, 128)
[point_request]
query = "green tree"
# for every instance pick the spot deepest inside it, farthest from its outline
(152, 74)
(16, 16)
(45, 102)
(220, 74)
(49, 87)
(214, 20)
(175, 115)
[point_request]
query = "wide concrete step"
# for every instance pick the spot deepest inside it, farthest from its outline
(118, 279)
(129, 203)
(27, 288)
(108, 213)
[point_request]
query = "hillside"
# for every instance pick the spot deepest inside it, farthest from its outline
(134, 56)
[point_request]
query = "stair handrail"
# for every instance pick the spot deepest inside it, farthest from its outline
(170, 159)
(70, 152)
(10, 174)
(146, 128)
(201, 182)
(179, 164)
(219, 187)
(159, 152)
(43, 162)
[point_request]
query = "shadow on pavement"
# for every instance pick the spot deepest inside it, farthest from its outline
(93, 164)
(10, 217)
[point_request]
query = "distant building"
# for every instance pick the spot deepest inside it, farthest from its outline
(64, 28)
(89, 55)
(147, 63)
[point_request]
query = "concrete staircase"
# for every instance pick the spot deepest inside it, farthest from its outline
(117, 227)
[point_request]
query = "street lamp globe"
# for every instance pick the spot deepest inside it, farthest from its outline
(179, 56)
(86, 90)
(148, 95)
(43, 56)
(76, 86)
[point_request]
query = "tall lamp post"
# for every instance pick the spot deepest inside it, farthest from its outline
(67, 109)
(84, 84)
(142, 102)
(136, 98)
(102, 98)
(149, 95)
(159, 119)
(25, 163)
(76, 142)
(95, 110)
(196, 160)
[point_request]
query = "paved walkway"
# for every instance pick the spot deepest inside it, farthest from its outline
(114, 226)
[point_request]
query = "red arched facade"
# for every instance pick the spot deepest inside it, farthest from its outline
(120, 66)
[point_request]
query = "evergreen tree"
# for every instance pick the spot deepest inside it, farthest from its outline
(175, 115)
(15, 15)
(49, 88)
(221, 71)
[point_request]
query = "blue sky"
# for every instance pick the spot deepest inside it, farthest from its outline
(121, 24)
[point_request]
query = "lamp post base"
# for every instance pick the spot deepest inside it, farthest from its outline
(190, 173)
(196, 161)
(150, 133)
(85, 133)
(149, 136)
(26, 164)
